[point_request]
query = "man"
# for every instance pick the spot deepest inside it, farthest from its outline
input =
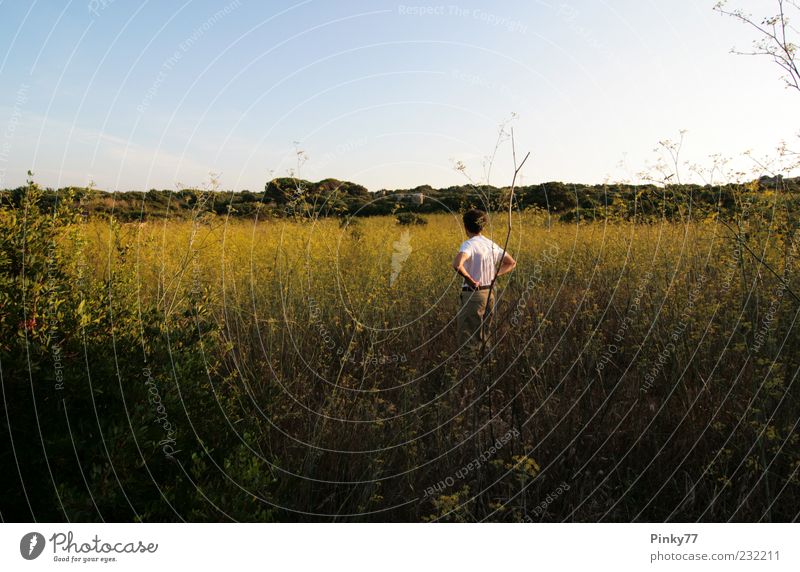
(477, 261)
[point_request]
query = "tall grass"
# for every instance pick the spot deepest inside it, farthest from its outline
(640, 372)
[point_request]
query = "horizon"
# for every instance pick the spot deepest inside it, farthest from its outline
(388, 94)
(199, 188)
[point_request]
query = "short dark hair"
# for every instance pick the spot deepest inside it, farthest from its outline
(475, 220)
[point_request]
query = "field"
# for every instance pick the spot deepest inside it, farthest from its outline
(212, 369)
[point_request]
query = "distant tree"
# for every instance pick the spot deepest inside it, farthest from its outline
(329, 186)
(247, 197)
(286, 189)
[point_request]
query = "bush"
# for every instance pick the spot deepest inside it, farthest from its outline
(410, 218)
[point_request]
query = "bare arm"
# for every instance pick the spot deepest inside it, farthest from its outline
(458, 266)
(508, 265)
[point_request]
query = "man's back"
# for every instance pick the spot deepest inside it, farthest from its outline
(483, 258)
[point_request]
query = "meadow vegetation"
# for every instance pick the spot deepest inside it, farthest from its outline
(218, 368)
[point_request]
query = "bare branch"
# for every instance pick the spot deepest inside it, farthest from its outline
(517, 169)
(774, 41)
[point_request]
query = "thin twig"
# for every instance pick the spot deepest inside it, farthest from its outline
(782, 279)
(517, 169)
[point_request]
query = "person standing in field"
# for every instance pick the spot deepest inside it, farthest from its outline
(478, 260)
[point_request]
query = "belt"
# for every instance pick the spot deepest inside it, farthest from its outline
(471, 289)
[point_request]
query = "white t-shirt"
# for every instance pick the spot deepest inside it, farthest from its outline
(484, 258)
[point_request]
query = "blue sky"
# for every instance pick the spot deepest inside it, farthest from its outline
(139, 95)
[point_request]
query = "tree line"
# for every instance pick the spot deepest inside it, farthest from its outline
(292, 197)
